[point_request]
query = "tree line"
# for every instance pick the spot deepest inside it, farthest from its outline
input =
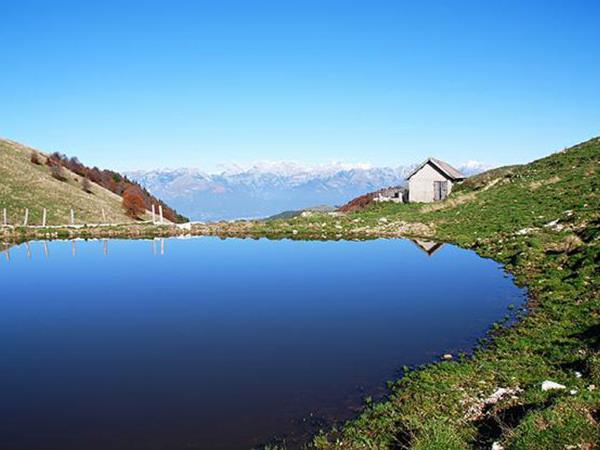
(136, 198)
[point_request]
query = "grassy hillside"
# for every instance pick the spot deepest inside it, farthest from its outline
(542, 220)
(27, 185)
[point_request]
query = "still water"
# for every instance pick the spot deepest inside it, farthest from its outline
(222, 344)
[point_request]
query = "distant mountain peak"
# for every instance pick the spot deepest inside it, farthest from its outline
(264, 188)
(290, 168)
(473, 167)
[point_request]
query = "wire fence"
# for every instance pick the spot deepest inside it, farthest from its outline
(24, 220)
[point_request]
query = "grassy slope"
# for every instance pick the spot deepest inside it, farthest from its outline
(26, 185)
(507, 214)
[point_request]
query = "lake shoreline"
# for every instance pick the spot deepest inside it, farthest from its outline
(239, 229)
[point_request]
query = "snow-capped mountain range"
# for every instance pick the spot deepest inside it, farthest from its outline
(269, 187)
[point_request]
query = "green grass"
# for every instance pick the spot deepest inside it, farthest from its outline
(27, 185)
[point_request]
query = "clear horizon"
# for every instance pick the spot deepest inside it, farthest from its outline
(145, 86)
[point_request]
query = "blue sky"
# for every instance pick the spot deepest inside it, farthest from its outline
(169, 84)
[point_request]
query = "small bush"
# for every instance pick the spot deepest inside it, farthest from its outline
(86, 185)
(35, 158)
(58, 172)
(133, 203)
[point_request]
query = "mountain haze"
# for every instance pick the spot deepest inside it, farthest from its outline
(268, 188)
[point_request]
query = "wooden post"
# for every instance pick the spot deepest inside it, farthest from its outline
(160, 213)
(44, 213)
(5, 217)
(72, 217)
(103, 216)
(26, 219)
(153, 214)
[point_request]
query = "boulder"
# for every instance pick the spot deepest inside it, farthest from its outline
(552, 385)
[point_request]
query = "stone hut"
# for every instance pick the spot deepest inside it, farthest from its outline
(432, 181)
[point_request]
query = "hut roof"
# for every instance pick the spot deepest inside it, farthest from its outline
(443, 167)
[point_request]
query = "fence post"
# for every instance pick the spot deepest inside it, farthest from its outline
(103, 215)
(72, 217)
(44, 217)
(26, 219)
(153, 214)
(160, 212)
(5, 217)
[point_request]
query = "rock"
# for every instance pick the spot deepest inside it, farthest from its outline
(577, 374)
(447, 357)
(555, 225)
(591, 387)
(383, 219)
(524, 231)
(552, 385)
(476, 411)
(294, 232)
(497, 446)
(496, 396)
(573, 392)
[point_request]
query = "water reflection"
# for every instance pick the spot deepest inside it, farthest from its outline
(158, 248)
(429, 247)
(5, 248)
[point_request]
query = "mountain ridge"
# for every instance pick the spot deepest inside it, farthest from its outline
(268, 188)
